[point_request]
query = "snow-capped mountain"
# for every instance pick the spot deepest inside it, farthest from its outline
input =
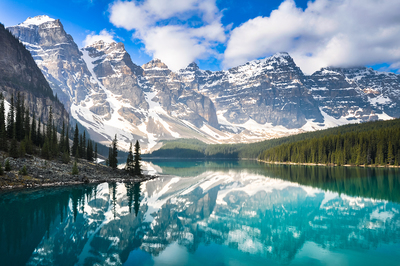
(108, 94)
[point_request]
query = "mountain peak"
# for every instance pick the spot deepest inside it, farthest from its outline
(193, 66)
(38, 20)
(155, 64)
(279, 56)
(99, 44)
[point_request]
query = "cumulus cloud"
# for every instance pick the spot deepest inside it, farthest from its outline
(340, 33)
(104, 35)
(177, 31)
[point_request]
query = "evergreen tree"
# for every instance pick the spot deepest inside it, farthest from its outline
(49, 128)
(54, 142)
(113, 154)
(109, 159)
(27, 128)
(62, 139)
(75, 143)
(75, 169)
(89, 151)
(46, 149)
(39, 136)
(13, 152)
(67, 148)
(129, 161)
(136, 190)
(7, 165)
(18, 118)
(390, 159)
(138, 168)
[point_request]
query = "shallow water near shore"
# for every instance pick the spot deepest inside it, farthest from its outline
(210, 213)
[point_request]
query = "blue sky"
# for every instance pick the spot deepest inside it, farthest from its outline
(225, 33)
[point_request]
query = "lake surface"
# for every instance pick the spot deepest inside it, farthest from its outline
(210, 213)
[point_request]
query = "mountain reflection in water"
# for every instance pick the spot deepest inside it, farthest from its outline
(212, 213)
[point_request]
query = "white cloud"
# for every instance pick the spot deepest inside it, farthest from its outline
(327, 33)
(104, 35)
(164, 28)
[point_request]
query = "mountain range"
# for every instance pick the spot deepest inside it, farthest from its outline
(108, 94)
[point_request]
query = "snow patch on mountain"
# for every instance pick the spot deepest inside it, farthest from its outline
(38, 20)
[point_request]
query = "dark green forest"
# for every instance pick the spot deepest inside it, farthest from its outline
(375, 143)
(192, 148)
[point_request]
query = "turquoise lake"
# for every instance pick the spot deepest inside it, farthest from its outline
(210, 213)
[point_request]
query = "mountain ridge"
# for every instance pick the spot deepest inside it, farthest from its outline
(262, 99)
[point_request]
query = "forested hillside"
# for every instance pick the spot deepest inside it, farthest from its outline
(190, 148)
(373, 143)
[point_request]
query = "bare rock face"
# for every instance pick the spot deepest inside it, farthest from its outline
(268, 91)
(178, 100)
(358, 93)
(113, 68)
(58, 56)
(19, 73)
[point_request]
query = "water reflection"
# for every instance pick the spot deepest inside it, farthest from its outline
(233, 212)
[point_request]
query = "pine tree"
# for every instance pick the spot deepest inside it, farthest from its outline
(113, 154)
(27, 128)
(89, 151)
(46, 149)
(49, 131)
(129, 161)
(19, 118)
(67, 148)
(75, 169)
(390, 153)
(62, 139)
(75, 143)
(13, 152)
(39, 134)
(54, 142)
(138, 168)
(109, 160)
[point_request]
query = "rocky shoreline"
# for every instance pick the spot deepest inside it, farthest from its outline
(48, 173)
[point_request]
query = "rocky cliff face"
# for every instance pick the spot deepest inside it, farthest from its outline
(356, 93)
(58, 56)
(271, 90)
(176, 98)
(108, 94)
(19, 73)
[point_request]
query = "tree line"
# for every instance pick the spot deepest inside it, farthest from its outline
(20, 135)
(192, 148)
(377, 146)
(133, 166)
